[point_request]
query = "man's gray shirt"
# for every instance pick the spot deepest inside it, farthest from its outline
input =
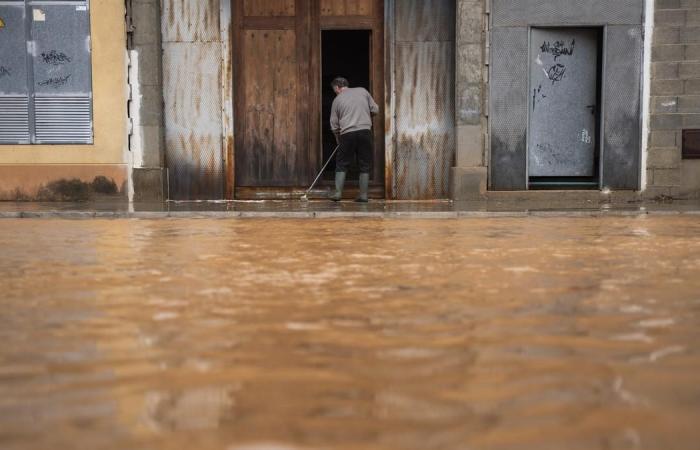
(352, 111)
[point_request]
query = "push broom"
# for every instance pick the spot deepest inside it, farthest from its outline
(305, 197)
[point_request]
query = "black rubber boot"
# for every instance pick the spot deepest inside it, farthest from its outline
(339, 183)
(364, 188)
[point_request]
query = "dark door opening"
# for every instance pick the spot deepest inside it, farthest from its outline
(344, 53)
(565, 97)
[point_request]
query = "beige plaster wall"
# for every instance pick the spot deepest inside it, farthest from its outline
(109, 99)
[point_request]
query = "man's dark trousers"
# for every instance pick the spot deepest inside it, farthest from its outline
(355, 143)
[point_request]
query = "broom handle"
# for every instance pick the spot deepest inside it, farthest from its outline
(323, 169)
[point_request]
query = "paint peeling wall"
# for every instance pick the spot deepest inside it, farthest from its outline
(146, 142)
(28, 170)
(192, 94)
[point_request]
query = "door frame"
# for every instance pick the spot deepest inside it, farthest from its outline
(600, 132)
(229, 50)
(378, 75)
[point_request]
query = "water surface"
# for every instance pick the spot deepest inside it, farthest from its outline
(512, 333)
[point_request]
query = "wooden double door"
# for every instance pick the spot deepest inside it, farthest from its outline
(278, 88)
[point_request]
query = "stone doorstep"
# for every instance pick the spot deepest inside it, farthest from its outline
(569, 197)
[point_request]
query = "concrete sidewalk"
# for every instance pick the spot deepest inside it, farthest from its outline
(508, 207)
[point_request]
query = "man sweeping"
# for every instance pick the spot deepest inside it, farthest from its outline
(351, 122)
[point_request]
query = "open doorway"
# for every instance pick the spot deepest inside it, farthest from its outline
(344, 53)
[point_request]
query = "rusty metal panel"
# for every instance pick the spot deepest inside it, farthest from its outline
(190, 20)
(192, 94)
(425, 20)
(424, 105)
(193, 128)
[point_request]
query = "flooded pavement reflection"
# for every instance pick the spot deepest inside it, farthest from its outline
(512, 333)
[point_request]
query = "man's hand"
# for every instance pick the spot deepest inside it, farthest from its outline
(337, 137)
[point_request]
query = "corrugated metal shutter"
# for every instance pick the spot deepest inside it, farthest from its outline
(14, 120)
(62, 120)
(61, 72)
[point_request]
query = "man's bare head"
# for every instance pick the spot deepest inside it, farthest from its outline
(339, 84)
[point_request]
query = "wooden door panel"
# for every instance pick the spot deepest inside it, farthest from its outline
(269, 8)
(277, 85)
(271, 45)
(346, 7)
(270, 97)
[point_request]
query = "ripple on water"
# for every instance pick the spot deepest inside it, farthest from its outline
(489, 334)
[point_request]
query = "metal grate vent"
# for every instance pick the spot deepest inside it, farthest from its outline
(63, 120)
(691, 144)
(14, 120)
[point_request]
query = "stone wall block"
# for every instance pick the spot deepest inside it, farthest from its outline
(663, 138)
(671, 52)
(691, 120)
(151, 112)
(689, 70)
(666, 87)
(149, 64)
(692, 17)
(668, 4)
(667, 35)
(689, 35)
(670, 17)
(664, 105)
(666, 121)
(664, 158)
(692, 52)
(665, 70)
(667, 177)
(692, 86)
(145, 21)
(689, 104)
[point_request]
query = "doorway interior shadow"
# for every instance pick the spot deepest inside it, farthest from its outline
(344, 53)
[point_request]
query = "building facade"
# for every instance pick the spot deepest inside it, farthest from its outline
(63, 100)
(228, 99)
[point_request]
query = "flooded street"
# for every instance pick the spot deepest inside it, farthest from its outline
(500, 333)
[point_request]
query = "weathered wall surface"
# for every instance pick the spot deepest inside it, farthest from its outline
(508, 84)
(468, 176)
(424, 70)
(55, 172)
(146, 142)
(675, 98)
(192, 88)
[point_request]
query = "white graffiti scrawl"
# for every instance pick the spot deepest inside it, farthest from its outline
(585, 136)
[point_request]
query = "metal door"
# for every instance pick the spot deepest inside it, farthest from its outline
(563, 102)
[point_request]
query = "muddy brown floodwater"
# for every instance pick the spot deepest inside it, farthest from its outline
(510, 333)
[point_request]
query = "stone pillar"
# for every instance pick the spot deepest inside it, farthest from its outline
(469, 175)
(146, 141)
